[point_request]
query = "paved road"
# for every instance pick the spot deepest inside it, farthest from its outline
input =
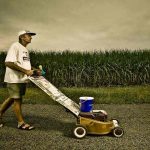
(54, 129)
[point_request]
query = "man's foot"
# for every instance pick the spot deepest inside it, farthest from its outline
(25, 126)
(1, 123)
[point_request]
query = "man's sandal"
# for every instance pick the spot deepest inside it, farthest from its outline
(25, 126)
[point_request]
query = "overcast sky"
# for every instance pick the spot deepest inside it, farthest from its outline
(77, 24)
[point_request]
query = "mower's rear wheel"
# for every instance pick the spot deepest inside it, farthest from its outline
(80, 131)
(118, 132)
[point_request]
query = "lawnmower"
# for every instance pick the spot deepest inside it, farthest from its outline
(89, 121)
(96, 123)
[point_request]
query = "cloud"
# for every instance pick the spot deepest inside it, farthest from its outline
(82, 24)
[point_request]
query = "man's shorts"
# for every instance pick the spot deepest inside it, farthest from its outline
(16, 90)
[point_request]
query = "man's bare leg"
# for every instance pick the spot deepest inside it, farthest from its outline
(18, 111)
(5, 105)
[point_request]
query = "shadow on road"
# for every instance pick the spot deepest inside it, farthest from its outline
(49, 123)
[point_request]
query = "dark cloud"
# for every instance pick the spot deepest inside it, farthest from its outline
(81, 24)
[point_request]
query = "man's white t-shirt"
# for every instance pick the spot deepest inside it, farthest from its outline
(20, 56)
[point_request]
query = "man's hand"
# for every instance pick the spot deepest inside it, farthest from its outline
(29, 72)
(37, 72)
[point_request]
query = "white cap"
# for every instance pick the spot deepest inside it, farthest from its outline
(26, 32)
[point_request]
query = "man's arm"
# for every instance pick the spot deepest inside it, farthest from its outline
(13, 66)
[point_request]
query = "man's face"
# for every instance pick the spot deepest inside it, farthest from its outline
(27, 38)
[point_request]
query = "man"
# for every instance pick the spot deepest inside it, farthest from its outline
(18, 67)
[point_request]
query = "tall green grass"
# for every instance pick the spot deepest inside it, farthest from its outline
(94, 69)
(102, 95)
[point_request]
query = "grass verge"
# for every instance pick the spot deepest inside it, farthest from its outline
(102, 95)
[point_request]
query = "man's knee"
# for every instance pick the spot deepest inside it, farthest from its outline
(17, 100)
(10, 99)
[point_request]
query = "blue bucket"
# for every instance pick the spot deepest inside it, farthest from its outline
(86, 104)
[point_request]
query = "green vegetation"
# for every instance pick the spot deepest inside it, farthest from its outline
(110, 77)
(103, 95)
(92, 69)
(95, 69)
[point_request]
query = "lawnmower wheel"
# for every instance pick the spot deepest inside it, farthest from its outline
(80, 131)
(118, 132)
